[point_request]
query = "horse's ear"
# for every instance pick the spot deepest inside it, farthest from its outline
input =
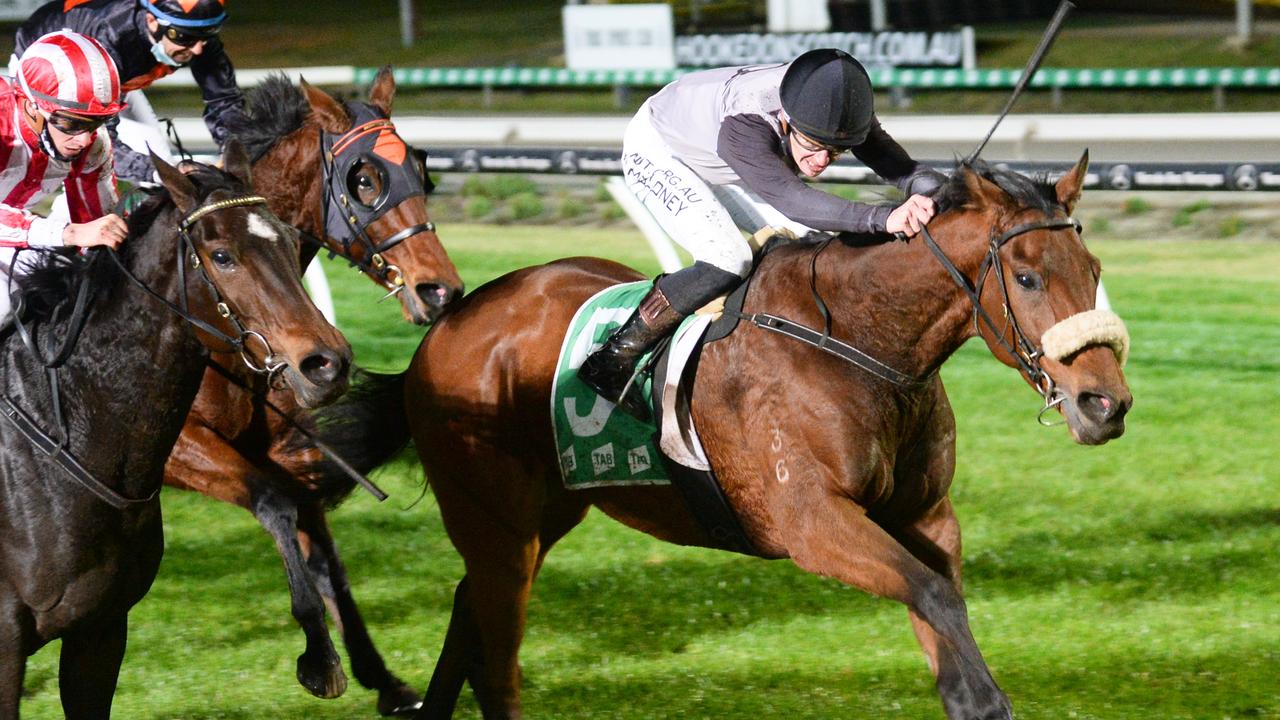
(176, 182)
(982, 192)
(383, 90)
(329, 113)
(1071, 184)
(236, 161)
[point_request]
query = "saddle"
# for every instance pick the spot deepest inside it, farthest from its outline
(674, 374)
(599, 447)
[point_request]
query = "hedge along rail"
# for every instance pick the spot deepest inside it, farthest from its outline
(896, 80)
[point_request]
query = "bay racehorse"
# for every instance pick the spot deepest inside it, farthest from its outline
(81, 468)
(842, 470)
(346, 180)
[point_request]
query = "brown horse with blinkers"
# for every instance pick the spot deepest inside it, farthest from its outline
(843, 470)
(347, 181)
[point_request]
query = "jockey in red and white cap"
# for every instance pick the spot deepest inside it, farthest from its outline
(149, 39)
(51, 136)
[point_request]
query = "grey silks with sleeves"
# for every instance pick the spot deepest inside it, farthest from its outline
(726, 125)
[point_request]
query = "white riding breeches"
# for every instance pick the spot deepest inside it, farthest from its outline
(16, 263)
(706, 220)
(140, 129)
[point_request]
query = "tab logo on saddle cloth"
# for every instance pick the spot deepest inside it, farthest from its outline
(597, 445)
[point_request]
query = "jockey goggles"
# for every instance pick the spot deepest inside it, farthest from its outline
(810, 145)
(75, 124)
(186, 39)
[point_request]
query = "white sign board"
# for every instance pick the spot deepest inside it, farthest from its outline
(798, 16)
(619, 37)
(875, 50)
(18, 9)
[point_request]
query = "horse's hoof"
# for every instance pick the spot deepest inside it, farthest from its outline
(324, 680)
(398, 701)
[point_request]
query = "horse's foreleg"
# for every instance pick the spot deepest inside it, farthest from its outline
(204, 462)
(461, 660)
(319, 667)
(966, 690)
(463, 657)
(498, 595)
(394, 696)
(89, 666)
(834, 537)
(13, 657)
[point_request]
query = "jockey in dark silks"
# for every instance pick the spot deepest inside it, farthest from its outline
(149, 39)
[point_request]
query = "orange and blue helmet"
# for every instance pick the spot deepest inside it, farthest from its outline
(196, 18)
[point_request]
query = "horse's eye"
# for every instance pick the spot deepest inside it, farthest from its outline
(367, 183)
(221, 258)
(1027, 279)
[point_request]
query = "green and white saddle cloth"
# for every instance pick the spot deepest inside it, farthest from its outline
(598, 444)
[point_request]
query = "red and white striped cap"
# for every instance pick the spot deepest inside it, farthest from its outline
(65, 70)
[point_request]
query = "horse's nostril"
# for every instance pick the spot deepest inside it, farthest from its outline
(322, 367)
(1100, 407)
(436, 295)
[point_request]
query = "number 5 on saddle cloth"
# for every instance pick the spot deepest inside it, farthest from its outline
(600, 447)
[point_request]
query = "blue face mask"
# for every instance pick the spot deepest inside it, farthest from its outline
(157, 49)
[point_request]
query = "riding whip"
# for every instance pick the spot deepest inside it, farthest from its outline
(1033, 64)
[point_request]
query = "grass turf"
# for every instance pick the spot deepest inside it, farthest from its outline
(1134, 580)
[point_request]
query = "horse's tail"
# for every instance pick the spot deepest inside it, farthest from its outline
(367, 426)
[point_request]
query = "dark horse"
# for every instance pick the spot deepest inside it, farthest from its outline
(840, 470)
(77, 553)
(238, 450)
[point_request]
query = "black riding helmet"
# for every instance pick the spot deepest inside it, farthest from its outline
(827, 96)
(195, 18)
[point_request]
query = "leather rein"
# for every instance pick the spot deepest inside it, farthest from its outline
(1023, 351)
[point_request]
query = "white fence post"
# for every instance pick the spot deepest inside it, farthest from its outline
(318, 287)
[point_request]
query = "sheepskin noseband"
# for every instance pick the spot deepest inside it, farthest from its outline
(1092, 327)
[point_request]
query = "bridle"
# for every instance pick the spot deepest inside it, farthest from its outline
(1022, 350)
(346, 218)
(57, 449)
(271, 363)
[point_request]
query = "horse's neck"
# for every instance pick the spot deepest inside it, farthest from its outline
(289, 176)
(894, 301)
(134, 374)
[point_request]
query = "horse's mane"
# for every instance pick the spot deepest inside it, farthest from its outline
(57, 273)
(272, 110)
(1036, 193)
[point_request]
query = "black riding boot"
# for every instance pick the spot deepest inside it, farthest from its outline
(609, 369)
